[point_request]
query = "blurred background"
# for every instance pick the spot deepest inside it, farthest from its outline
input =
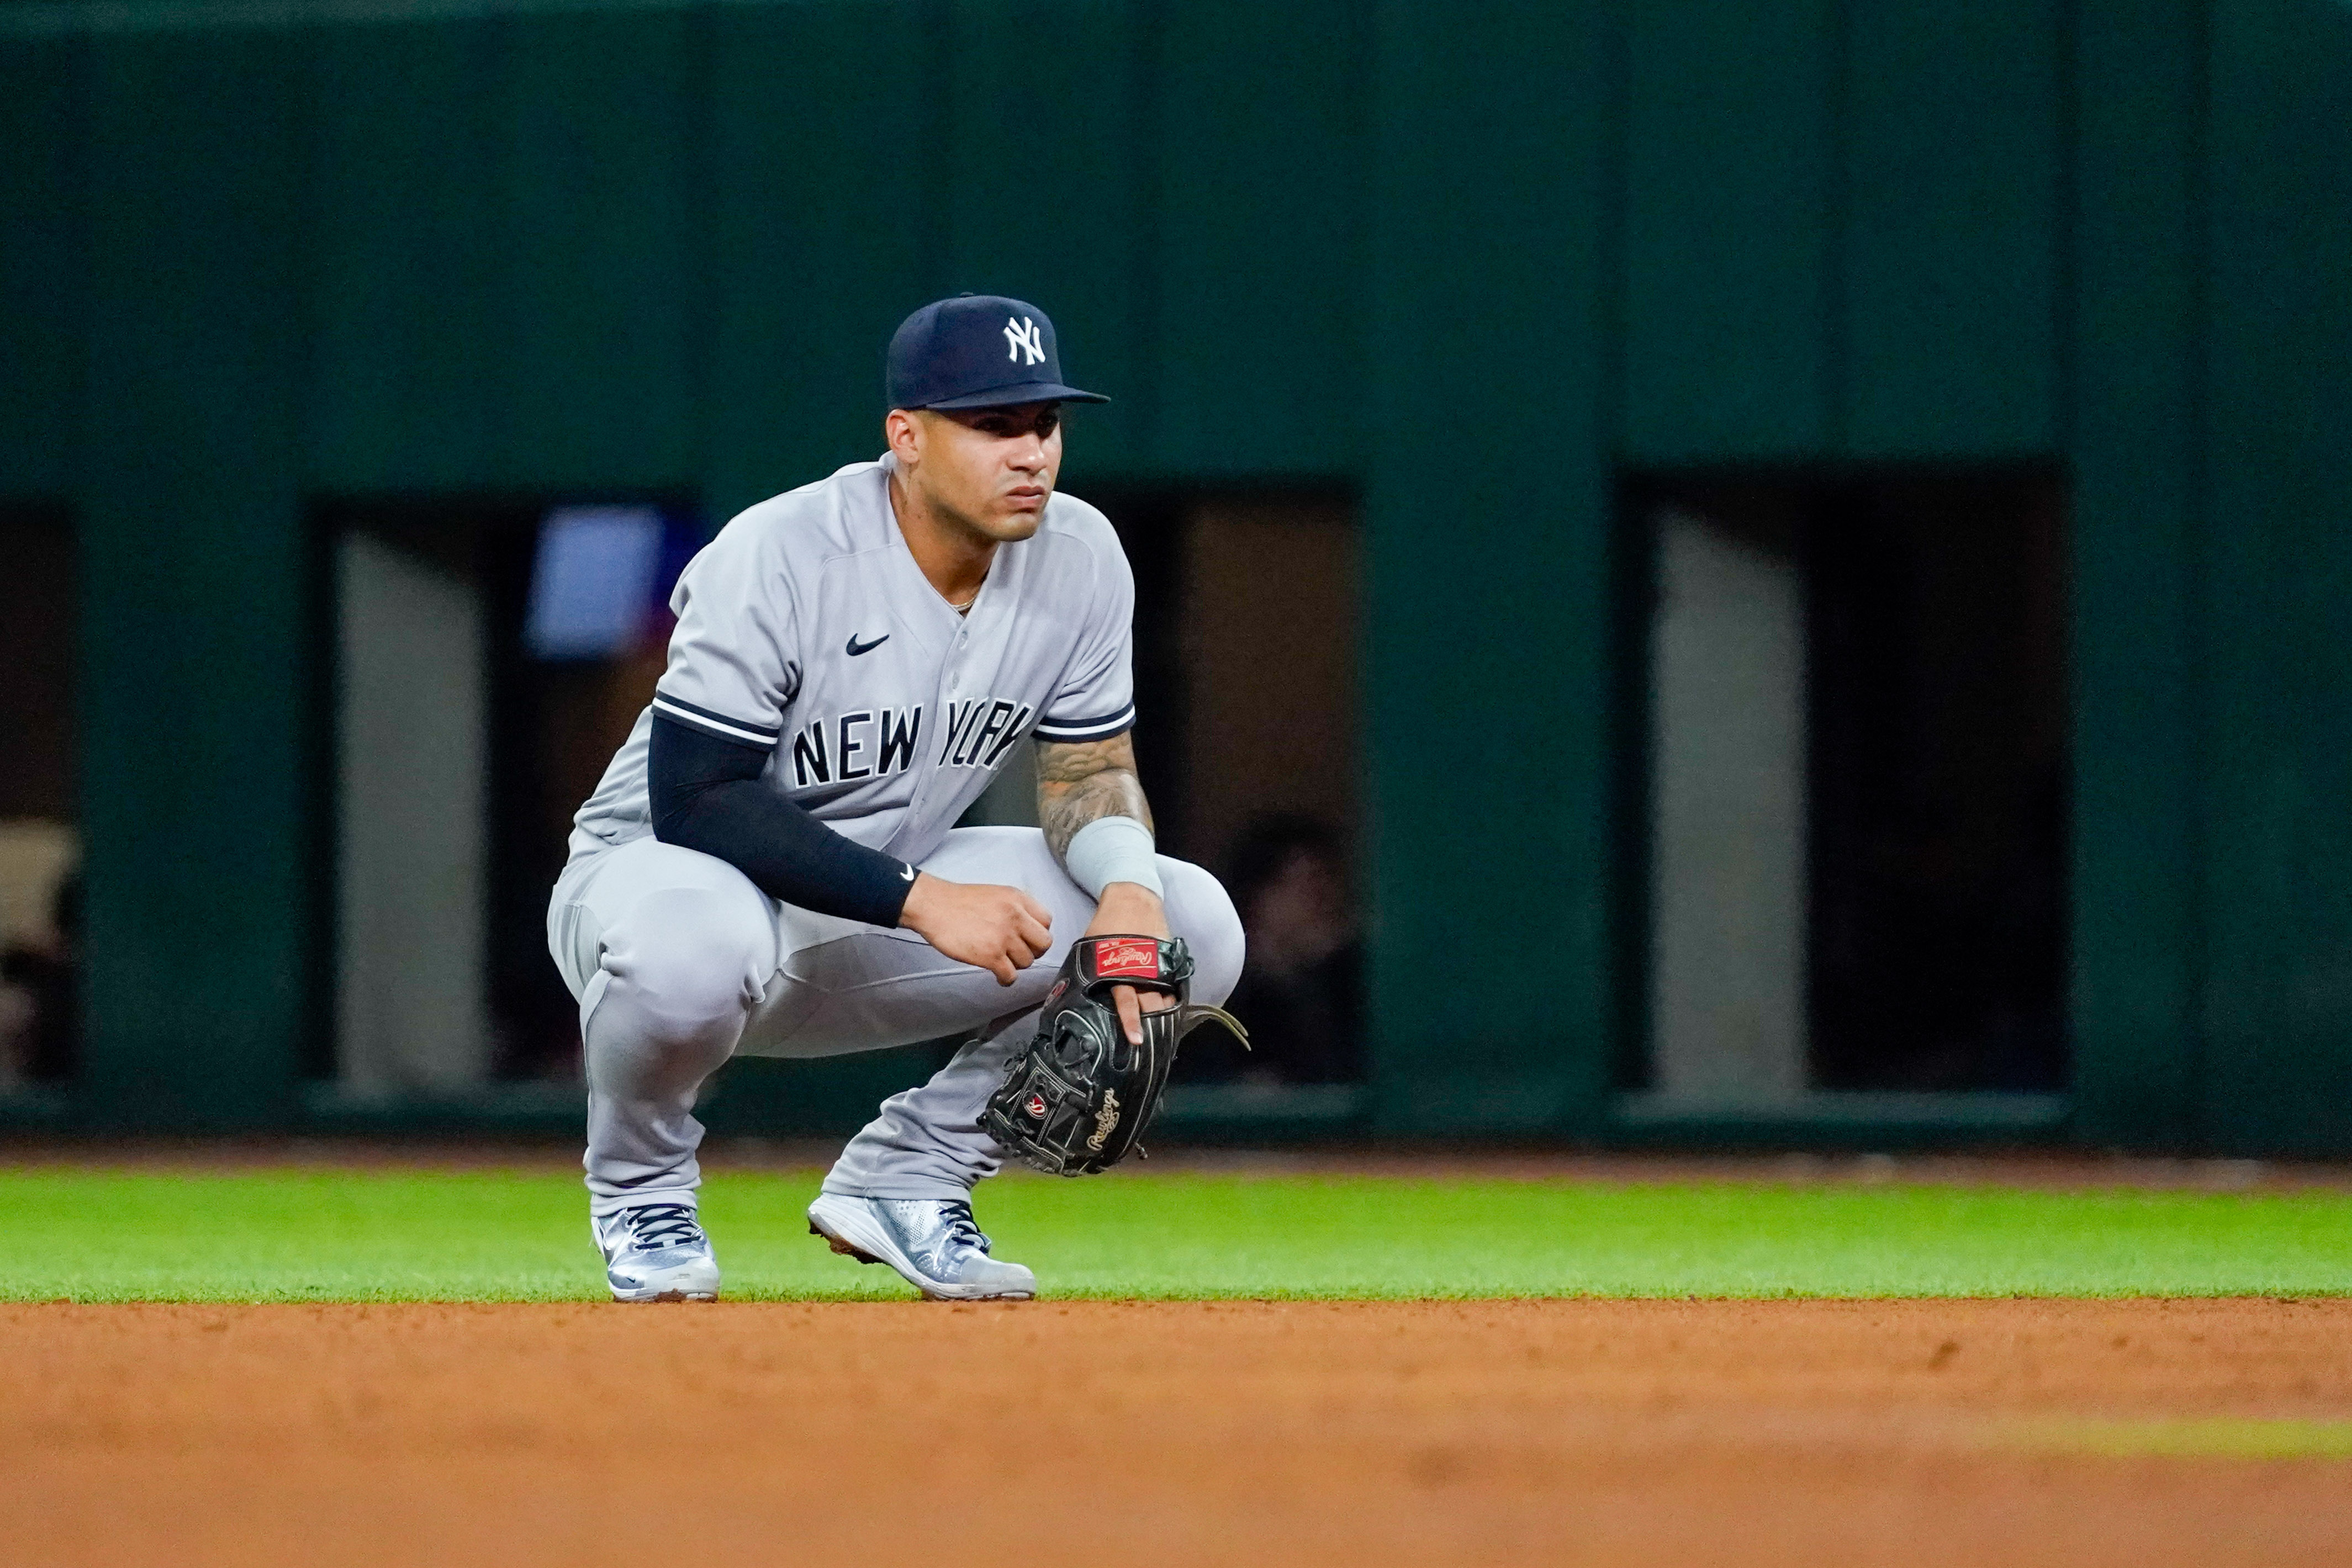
(1709, 571)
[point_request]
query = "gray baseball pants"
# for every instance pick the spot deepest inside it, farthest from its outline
(679, 963)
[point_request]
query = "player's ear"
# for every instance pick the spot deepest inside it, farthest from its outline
(904, 432)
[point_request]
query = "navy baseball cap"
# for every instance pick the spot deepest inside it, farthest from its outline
(977, 350)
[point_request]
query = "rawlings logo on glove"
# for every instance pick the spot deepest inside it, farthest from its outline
(1127, 958)
(1105, 1120)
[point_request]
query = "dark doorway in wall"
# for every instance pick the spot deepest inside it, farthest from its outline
(1246, 638)
(490, 656)
(1853, 782)
(40, 850)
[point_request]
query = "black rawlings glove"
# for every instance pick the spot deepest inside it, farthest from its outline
(1075, 1098)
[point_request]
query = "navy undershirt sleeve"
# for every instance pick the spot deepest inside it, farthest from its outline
(707, 795)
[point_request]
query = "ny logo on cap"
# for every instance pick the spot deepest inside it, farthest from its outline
(1024, 337)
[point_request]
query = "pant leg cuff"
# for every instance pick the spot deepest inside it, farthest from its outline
(601, 1206)
(901, 1188)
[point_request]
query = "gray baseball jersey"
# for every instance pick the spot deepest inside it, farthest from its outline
(806, 627)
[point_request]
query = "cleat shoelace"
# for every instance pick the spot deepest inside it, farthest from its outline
(659, 1225)
(962, 1228)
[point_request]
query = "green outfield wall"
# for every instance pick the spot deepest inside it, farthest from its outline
(1471, 260)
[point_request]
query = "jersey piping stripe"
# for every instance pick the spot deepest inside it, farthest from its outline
(727, 729)
(682, 705)
(1101, 728)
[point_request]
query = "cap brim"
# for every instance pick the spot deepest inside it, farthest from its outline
(1013, 396)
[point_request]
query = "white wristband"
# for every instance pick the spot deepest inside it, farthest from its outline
(1113, 849)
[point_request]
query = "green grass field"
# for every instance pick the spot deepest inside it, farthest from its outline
(312, 1235)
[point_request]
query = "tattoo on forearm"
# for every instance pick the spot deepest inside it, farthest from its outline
(1080, 781)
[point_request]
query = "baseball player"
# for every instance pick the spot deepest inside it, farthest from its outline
(771, 866)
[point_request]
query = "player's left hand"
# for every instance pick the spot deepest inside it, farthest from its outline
(1128, 906)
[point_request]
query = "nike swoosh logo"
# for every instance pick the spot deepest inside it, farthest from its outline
(857, 647)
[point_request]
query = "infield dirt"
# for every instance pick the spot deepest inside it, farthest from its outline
(1341, 1432)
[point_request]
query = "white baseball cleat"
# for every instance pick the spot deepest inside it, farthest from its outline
(657, 1252)
(932, 1242)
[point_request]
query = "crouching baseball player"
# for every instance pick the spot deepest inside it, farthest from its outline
(770, 865)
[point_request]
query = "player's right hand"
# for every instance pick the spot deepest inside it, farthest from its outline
(1000, 930)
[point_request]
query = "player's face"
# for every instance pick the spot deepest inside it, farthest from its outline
(990, 468)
